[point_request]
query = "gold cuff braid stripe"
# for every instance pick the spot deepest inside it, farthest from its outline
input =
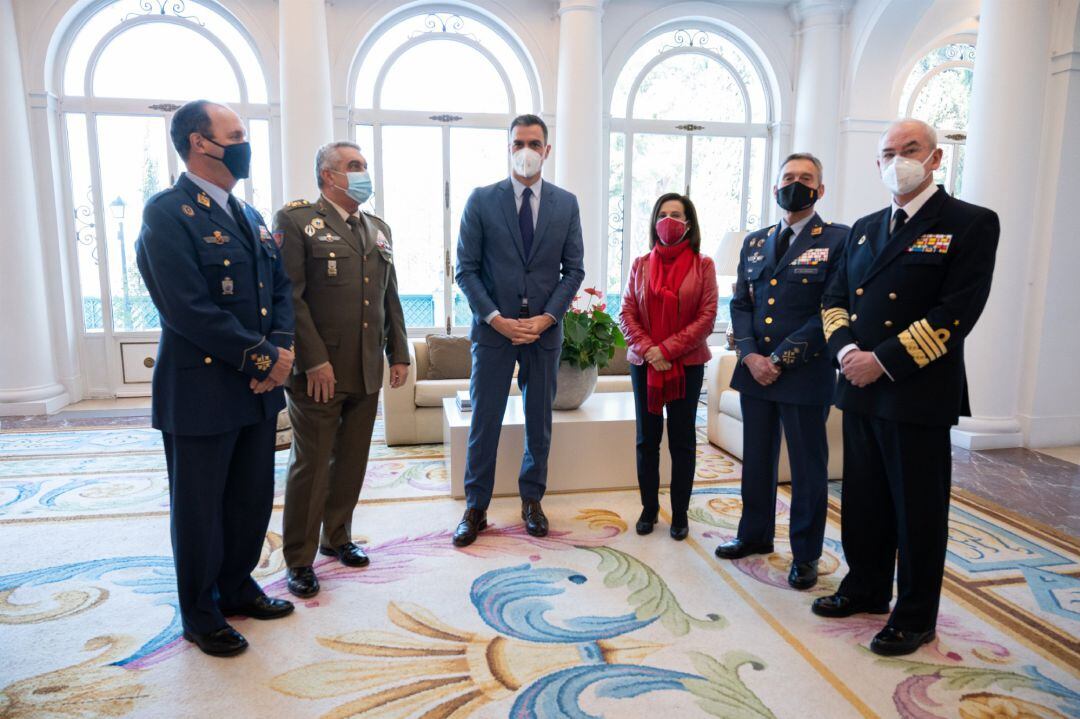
(924, 343)
(913, 349)
(833, 319)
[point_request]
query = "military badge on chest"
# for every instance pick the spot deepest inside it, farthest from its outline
(227, 286)
(331, 268)
(931, 244)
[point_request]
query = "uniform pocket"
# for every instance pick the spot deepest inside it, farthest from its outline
(923, 258)
(332, 265)
(225, 271)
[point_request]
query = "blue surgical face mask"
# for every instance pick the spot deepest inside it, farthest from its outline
(359, 187)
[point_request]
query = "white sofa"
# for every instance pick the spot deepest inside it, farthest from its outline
(413, 413)
(725, 426)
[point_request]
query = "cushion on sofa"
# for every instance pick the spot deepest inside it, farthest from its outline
(618, 364)
(730, 405)
(448, 357)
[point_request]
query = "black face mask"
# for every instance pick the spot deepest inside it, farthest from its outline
(796, 197)
(237, 158)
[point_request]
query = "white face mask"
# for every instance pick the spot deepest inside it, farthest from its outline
(904, 174)
(527, 162)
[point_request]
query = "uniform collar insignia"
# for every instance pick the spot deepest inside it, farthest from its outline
(203, 199)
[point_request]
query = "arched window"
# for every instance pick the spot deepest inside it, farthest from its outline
(690, 113)
(938, 91)
(129, 66)
(433, 95)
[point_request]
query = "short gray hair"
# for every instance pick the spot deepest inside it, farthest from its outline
(927, 129)
(803, 156)
(327, 156)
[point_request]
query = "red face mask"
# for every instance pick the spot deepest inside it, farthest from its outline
(670, 230)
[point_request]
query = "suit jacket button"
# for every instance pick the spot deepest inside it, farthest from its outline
(854, 317)
(365, 325)
(768, 320)
(888, 323)
(773, 282)
(366, 303)
(859, 292)
(892, 295)
(227, 263)
(768, 339)
(772, 300)
(333, 255)
(261, 285)
(805, 281)
(208, 360)
(263, 311)
(367, 279)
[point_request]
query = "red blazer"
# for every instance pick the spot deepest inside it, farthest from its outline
(697, 314)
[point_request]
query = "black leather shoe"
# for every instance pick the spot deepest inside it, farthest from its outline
(350, 554)
(679, 529)
(263, 607)
(536, 524)
(738, 548)
(224, 642)
(302, 582)
(893, 642)
(837, 605)
(646, 521)
(474, 521)
(803, 575)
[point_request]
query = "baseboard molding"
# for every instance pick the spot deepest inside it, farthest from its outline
(1049, 431)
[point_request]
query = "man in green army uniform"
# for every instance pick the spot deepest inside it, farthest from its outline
(341, 264)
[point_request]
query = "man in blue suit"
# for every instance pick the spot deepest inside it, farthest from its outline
(519, 263)
(216, 277)
(784, 375)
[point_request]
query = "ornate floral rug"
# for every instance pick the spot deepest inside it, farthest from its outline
(591, 621)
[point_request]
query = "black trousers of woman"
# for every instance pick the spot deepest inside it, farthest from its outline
(682, 443)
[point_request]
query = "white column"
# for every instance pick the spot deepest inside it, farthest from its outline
(1002, 172)
(579, 140)
(307, 115)
(28, 377)
(817, 90)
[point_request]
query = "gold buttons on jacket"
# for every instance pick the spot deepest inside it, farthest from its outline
(263, 311)
(805, 281)
(859, 292)
(854, 317)
(365, 325)
(366, 280)
(333, 255)
(892, 295)
(773, 282)
(366, 303)
(888, 323)
(768, 320)
(227, 263)
(208, 360)
(261, 285)
(772, 300)
(768, 339)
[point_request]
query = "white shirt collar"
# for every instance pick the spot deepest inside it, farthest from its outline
(797, 228)
(217, 194)
(915, 204)
(519, 187)
(345, 215)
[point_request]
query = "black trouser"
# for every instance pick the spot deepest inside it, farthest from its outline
(896, 497)
(682, 442)
(221, 490)
(808, 455)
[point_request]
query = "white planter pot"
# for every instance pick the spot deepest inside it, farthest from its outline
(573, 386)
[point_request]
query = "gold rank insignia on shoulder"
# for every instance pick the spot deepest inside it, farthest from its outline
(203, 199)
(187, 210)
(309, 230)
(216, 239)
(817, 231)
(227, 286)
(262, 362)
(862, 240)
(318, 223)
(298, 203)
(938, 244)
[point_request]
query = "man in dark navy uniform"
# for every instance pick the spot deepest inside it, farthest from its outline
(913, 280)
(217, 280)
(784, 376)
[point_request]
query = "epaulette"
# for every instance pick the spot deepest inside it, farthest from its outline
(373, 216)
(297, 203)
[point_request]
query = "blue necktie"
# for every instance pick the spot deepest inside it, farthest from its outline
(525, 221)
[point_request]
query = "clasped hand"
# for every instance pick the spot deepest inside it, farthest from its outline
(522, 331)
(656, 358)
(861, 368)
(278, 373)
(761, 369)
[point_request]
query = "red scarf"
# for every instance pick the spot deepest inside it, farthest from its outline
(668, 267)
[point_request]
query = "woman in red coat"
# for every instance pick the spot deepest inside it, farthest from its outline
(668, 313)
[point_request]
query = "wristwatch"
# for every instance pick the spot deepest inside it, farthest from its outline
(775, 360)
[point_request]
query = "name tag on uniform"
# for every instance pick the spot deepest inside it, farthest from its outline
(331, 268)
(812, 256)
(931, 243)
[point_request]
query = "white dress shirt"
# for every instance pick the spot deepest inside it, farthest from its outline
(911, 209)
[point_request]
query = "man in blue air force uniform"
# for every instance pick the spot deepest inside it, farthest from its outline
(519, 263)
(784, 376)
(216, 278)
(913, 279)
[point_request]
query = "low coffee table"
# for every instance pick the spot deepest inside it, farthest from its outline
(592, 447)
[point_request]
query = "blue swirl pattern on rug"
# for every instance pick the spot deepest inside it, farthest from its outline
(508, 600)
(559, 694)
